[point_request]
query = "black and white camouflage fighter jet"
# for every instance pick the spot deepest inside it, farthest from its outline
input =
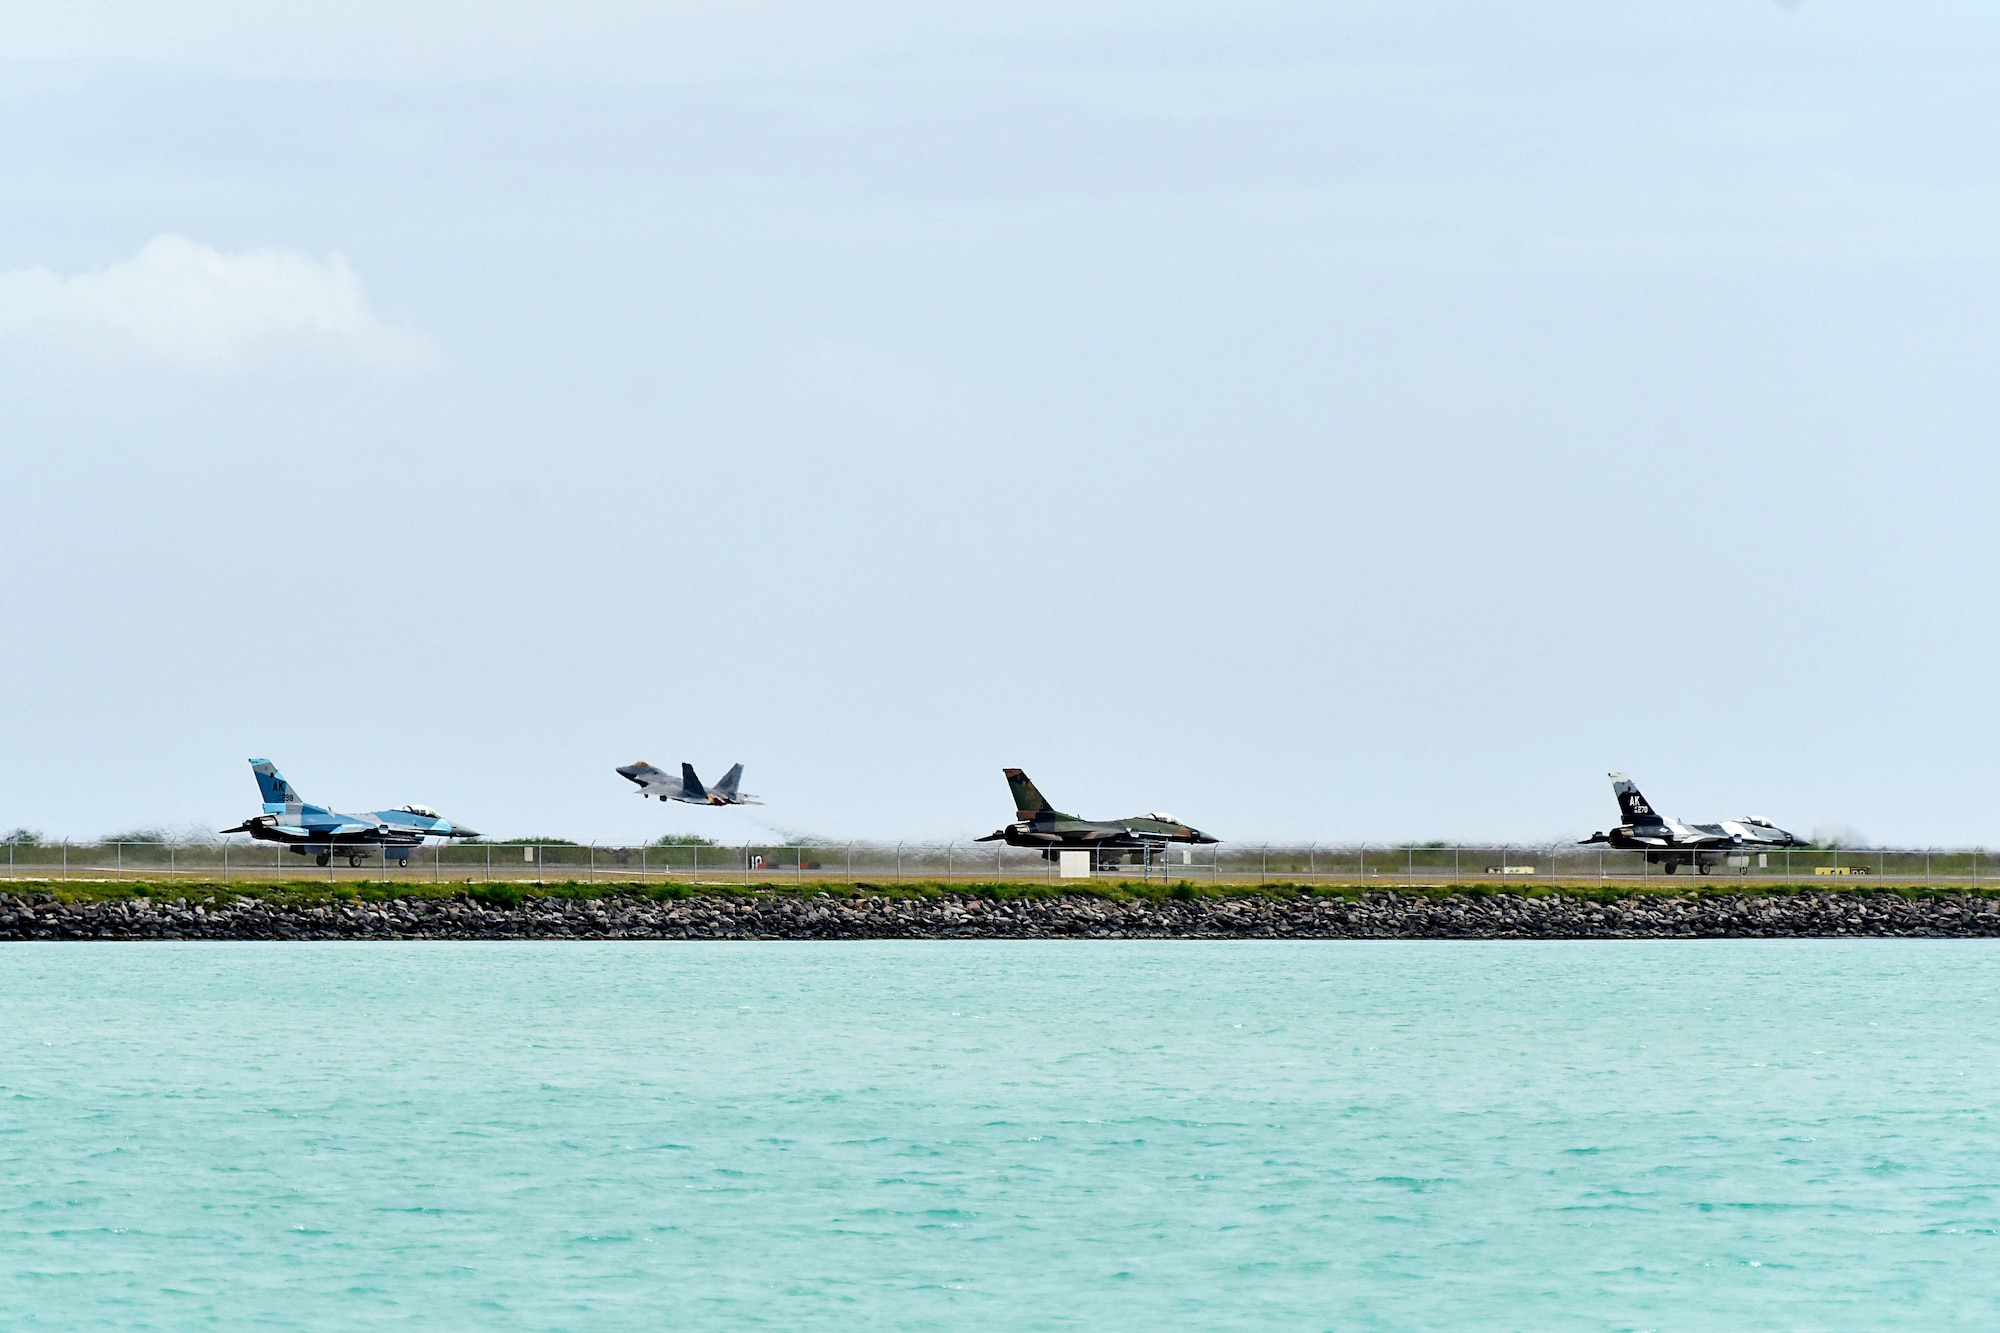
(687, 787)
(1670, 843)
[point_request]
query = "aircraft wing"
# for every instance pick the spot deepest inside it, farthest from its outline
(658, 783)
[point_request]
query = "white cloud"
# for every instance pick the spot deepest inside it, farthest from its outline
(193, 308)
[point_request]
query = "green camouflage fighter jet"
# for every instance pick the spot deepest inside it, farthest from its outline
(1039, 824)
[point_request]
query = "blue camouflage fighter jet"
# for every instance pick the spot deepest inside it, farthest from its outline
(314, 830)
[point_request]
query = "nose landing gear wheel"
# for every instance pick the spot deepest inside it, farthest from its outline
(403, 861)
(323, 858)
(354, 860)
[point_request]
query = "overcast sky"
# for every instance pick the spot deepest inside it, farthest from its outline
(1332, 421)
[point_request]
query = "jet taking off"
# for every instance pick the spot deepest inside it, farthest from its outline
(1039, 824)
(317, 831)
(1673, 844)
(687, 787)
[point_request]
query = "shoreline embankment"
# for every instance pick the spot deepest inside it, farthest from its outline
(168, 911)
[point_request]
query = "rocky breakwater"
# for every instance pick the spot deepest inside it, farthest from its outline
(784, 916)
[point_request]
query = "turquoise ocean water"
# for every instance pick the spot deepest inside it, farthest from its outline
(1725, 1135)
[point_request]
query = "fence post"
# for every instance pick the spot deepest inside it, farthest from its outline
(947, 862)
(850, 861)
(1362, 853)
(1455, 849)
(119, 860)
(899, 863)
(1264, 866)
(746, 865)
(225, 863)
(65, 851)
(799, 866)
(173, 860)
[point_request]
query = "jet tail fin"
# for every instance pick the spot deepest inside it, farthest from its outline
(1027, 801)
(726, 787)
(691, 788)
(1632, 805)
(277, 792)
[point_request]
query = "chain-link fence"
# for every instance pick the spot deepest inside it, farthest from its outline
(973, 862)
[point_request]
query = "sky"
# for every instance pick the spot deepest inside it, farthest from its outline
(1336, 422)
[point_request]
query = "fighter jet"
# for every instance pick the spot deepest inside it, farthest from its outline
(687, 787)
(1039, 824)
(314, 830)
(1670, 843)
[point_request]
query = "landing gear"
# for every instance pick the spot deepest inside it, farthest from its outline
(324, 857)
(354, 858)
(403, 861)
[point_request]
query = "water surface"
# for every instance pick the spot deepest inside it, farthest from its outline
(1256, 1135)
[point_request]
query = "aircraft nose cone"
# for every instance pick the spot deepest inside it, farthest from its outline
(461, 831)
